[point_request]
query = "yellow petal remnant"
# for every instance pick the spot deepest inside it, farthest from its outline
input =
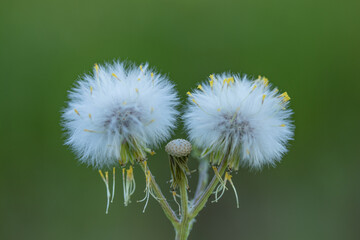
(141, 68)
(130, 173)
(128, 184)
(253, 88)
(224, 81)
(228, 177)
(282, 125)
(266, 81)
(174, 197)
(211, 83)
(91, 131)
(102, 175)
(139, 79)
(137, 90)
(211, 80)
(97, 73)
(151, 121)
(231, 80)
(211, 77)
(217, 174)
(106, 181)
(285, 97)
(200, 87)
(91, 90)
(76, 111)
(114, 75)
(113, 190)
(90, 115)
(219, 109)
(263, 98)
(152, 77)
(148, 190)
(189, 93)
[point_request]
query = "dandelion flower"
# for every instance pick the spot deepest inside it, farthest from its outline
(241, 118)
(118, 113)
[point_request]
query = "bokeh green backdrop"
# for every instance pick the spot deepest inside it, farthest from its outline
(309, 48)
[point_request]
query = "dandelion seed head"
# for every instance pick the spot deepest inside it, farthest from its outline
(118, 112)
(241, 117)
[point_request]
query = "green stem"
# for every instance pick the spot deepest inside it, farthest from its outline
(170, 214)
(203, 178)
(182, 232)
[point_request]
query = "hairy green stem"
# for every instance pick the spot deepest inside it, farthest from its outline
(170, 214)
(184, 229)
(189, 213)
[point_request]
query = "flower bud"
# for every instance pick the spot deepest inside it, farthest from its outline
(179, 151)
(178, 148)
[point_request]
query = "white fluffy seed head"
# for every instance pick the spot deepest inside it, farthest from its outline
(241, 118)
(118, 112)
(178, 148)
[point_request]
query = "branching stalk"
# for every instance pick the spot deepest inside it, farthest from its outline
(199, 202)
(188, 212)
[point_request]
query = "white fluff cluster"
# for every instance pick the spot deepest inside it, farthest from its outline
(118, 112)
(241, 118)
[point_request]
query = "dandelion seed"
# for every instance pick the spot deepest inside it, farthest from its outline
(222, 187)
(129, 185)
(228, 177)
(147, 189)
(174, 197)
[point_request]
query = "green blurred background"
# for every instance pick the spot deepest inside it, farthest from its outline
(308, 48)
